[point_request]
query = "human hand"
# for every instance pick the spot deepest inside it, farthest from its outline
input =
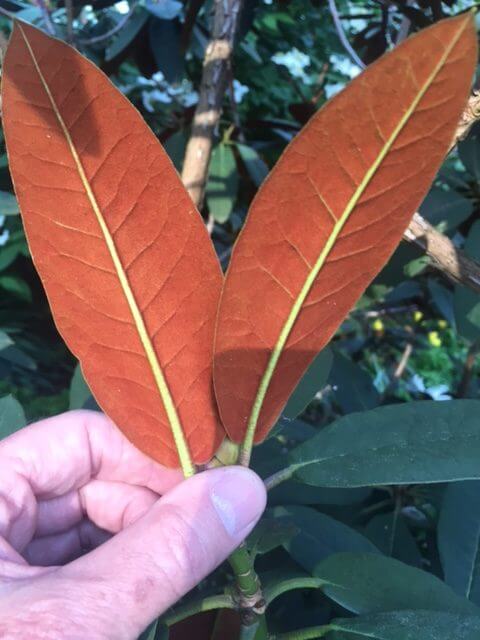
(67, 484)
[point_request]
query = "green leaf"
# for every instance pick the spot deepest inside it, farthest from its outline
(80, 395)
(8, 204)
(371, 583)
(459, 538)
(155, 631)
(416, 267)
(403, 291)
(353, 386)
(79, 390)
(408, 625)
(390, 534)
(14, 247)
(269, 534)
(222, 183)
(5, 340)
(18, 358)
(164, 37)
(127, 34)
(416, 442)
(255, 166)
(164, 9)
(275, 583)
(467, 302)
(442, 298)
(293, 492)
(17, 286)
(312, 381)
(319, 536)
(447, 209)
(469, 152)
(12, 417)
(175, 146)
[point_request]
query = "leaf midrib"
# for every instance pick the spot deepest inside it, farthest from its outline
(160, 381)
(337, 229)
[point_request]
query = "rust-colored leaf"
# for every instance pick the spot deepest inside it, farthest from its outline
(330, 215)
(123, 254)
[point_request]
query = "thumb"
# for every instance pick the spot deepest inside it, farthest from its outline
(142, 571)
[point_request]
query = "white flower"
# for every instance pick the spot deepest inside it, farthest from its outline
(158, 77)
(4, 236)
(438, 392)
(416, 384)
(145, 82)
(344, 65)
(239, 90)
(188, 99)
(150, 97)
(122, 6)
(295, 61)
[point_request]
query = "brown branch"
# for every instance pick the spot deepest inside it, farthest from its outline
(212, 89)
(444, 254)
(468, 118)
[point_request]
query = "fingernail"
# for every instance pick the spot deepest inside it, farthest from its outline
(239, 498)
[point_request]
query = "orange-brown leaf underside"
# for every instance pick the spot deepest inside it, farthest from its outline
(406, 107)
(161, 243)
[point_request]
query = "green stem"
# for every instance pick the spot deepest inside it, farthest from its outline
(305, 634)
(281, 476)
(292, 584)
(206, 604)
(245, 577)
(249, 631)
(249, 594)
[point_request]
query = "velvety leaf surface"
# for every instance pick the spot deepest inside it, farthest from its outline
(329, 216)
(416, 442)
(125, 259)
(370, 583)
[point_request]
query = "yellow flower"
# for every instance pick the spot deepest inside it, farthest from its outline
(443, 324)
(417, 316)
(378, 325)
(434, 339)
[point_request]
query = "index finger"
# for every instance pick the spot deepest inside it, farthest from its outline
(63, 453)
